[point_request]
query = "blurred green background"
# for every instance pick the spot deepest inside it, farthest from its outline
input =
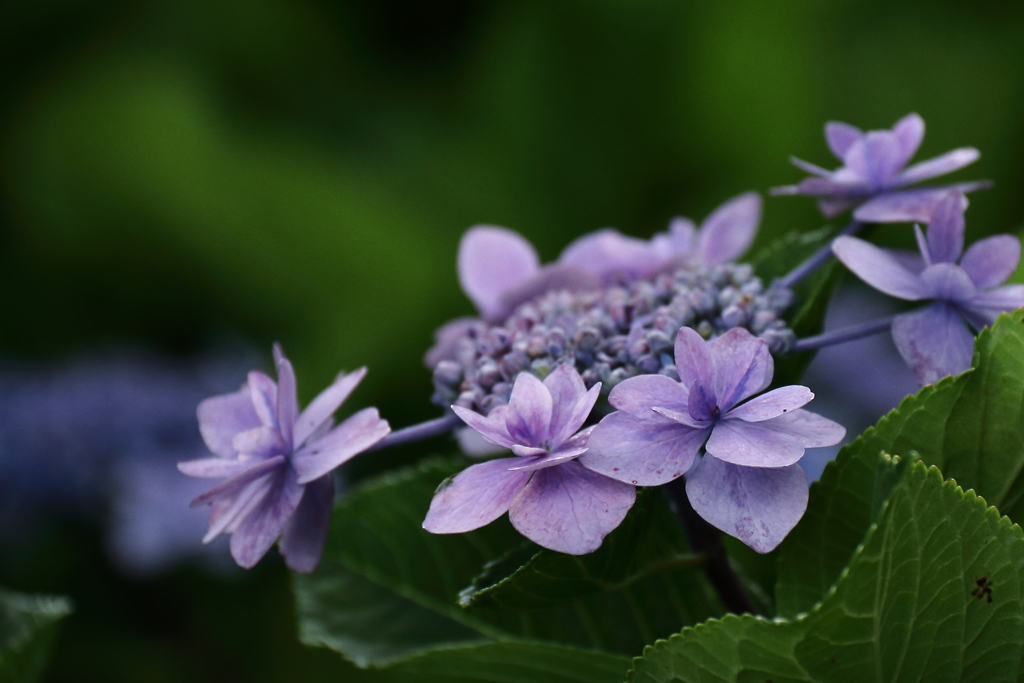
(179, 173)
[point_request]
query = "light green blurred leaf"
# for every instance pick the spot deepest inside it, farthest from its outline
(28, 624)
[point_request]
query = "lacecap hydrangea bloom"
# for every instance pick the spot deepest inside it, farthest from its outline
(936, 340)
(550, 497)
(278, 463)
(747, 483)
(874, 177)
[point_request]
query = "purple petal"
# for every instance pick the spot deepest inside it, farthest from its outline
(991, 261)
(641, 452)
(638, 395)
(986, 307)
(287, 397)
(833, 207)
(934, 341)
(303, 538)
(682, 417)
(528, 451)
(475, 497)
(233, 486)
(878, 268)
(570, 509)
(753, 444)
(549, 460)
(903, 206)
(909, 133)
(810, 429)
(923, 247)
(263, 525)
(833, 188)
(222, 417)
(570, 402)
(553, 277)
(883, 156)
(227, 513)
(262, 442)
(940, 165)
(609, 254)
(813, 169)
(773, 404)
(948, 282)
(493, 427)
(529, 411)
(946, 230)
(693, 362)
(264, 397)
(728, 231)
(351, 437)
(324, 405)
(743, 366)
(700, 407)
(211, 468)
(491, 261)
(757, 506)
(840, 136)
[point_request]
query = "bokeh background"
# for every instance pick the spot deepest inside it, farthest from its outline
(186, 181)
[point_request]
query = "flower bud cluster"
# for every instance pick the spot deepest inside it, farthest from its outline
(611, 334)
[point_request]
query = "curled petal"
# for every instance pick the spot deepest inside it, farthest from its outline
(475, 497)
(879, 268)
(840, 136)
(758, 506)
(304, 536)
(940, 165)
(990, 262)
(934, 341)
(743, 366)
(570, 402)
(641, 452)
(570, 509)
(529, 411)
(549, 460)
(223, 417)
(351, 437)
(324, 405)
(727, 233)
(227, 513)
(902, 206)
(258, 530)
(492, 427)
(639, 395)
(753, 444)
(773, 404)
(946, 230)
(693, 361)
(491, 261)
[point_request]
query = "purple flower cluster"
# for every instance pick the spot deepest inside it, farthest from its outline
(278, 463)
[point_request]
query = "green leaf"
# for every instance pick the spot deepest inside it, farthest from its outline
(970, 426)
(27, 626)
(912, 606)
(785, 254)
(387, 590)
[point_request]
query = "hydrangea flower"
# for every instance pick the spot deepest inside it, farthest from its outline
(499, 269)
(873, 176)
(551, 499)
(747, 483)
(936, 341)
(278, 462)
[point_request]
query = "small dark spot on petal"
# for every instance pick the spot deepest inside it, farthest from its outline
(634, 481)
(615, 469)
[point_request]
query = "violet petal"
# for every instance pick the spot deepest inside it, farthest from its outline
(233, 486)
(641, 452)
(475, 497)
(550, 460)
(491, 261)
(773, 404)
(227, 513)
(529, 411)
(758, 506)
(287, 397)
(261, 442)
(991, 261)
(528, 451)
(902, 206)
(878, 268)
(883, 156)
(492, 427)
(324, 405)
(840, 136)
(727, 233)
(947, 281)
(549, 278)
(222, 417)
(570, 509)
(987, 306)
(743, 366)
(909, 132)
(210, 468)
(610, 254)
(946, 229)
(637, 395)
(263, 525)
(934, 341)
(940, 165)
(350, 438)
(570, 402)
(753, 444)
(304, 536)
(264, 397)
(693, 362)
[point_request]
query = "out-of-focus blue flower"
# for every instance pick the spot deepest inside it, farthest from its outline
(278, 463)
(748, 483)
(550, 498)
(936, 341)
(873, 178)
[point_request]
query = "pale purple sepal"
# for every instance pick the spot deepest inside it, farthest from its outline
(232, 487)
(529, 411)
(991, 261)
(491, 261)
(947, 281)
(759, 506)
(840, 136)
(287, 397)
(743, 366)
(934, 341)
(571, 403)
(323, 406)
(983, 309)
(810, 429)
(262, 442)
(570, 509)
(610, 255)
(727, 233)
(941, 165)
(351, 437)
(753, 444)
(262, 526)
(642, 452)
(212, 468)
(643, 392)
(542, 462)
(693, 360)
(902, 207)
(222, 417)
(773, 404)
(946, 231)
(304, 536)
(493, 427)
(555, 276)
(878, 268)
(264, 398)
(475, 497)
